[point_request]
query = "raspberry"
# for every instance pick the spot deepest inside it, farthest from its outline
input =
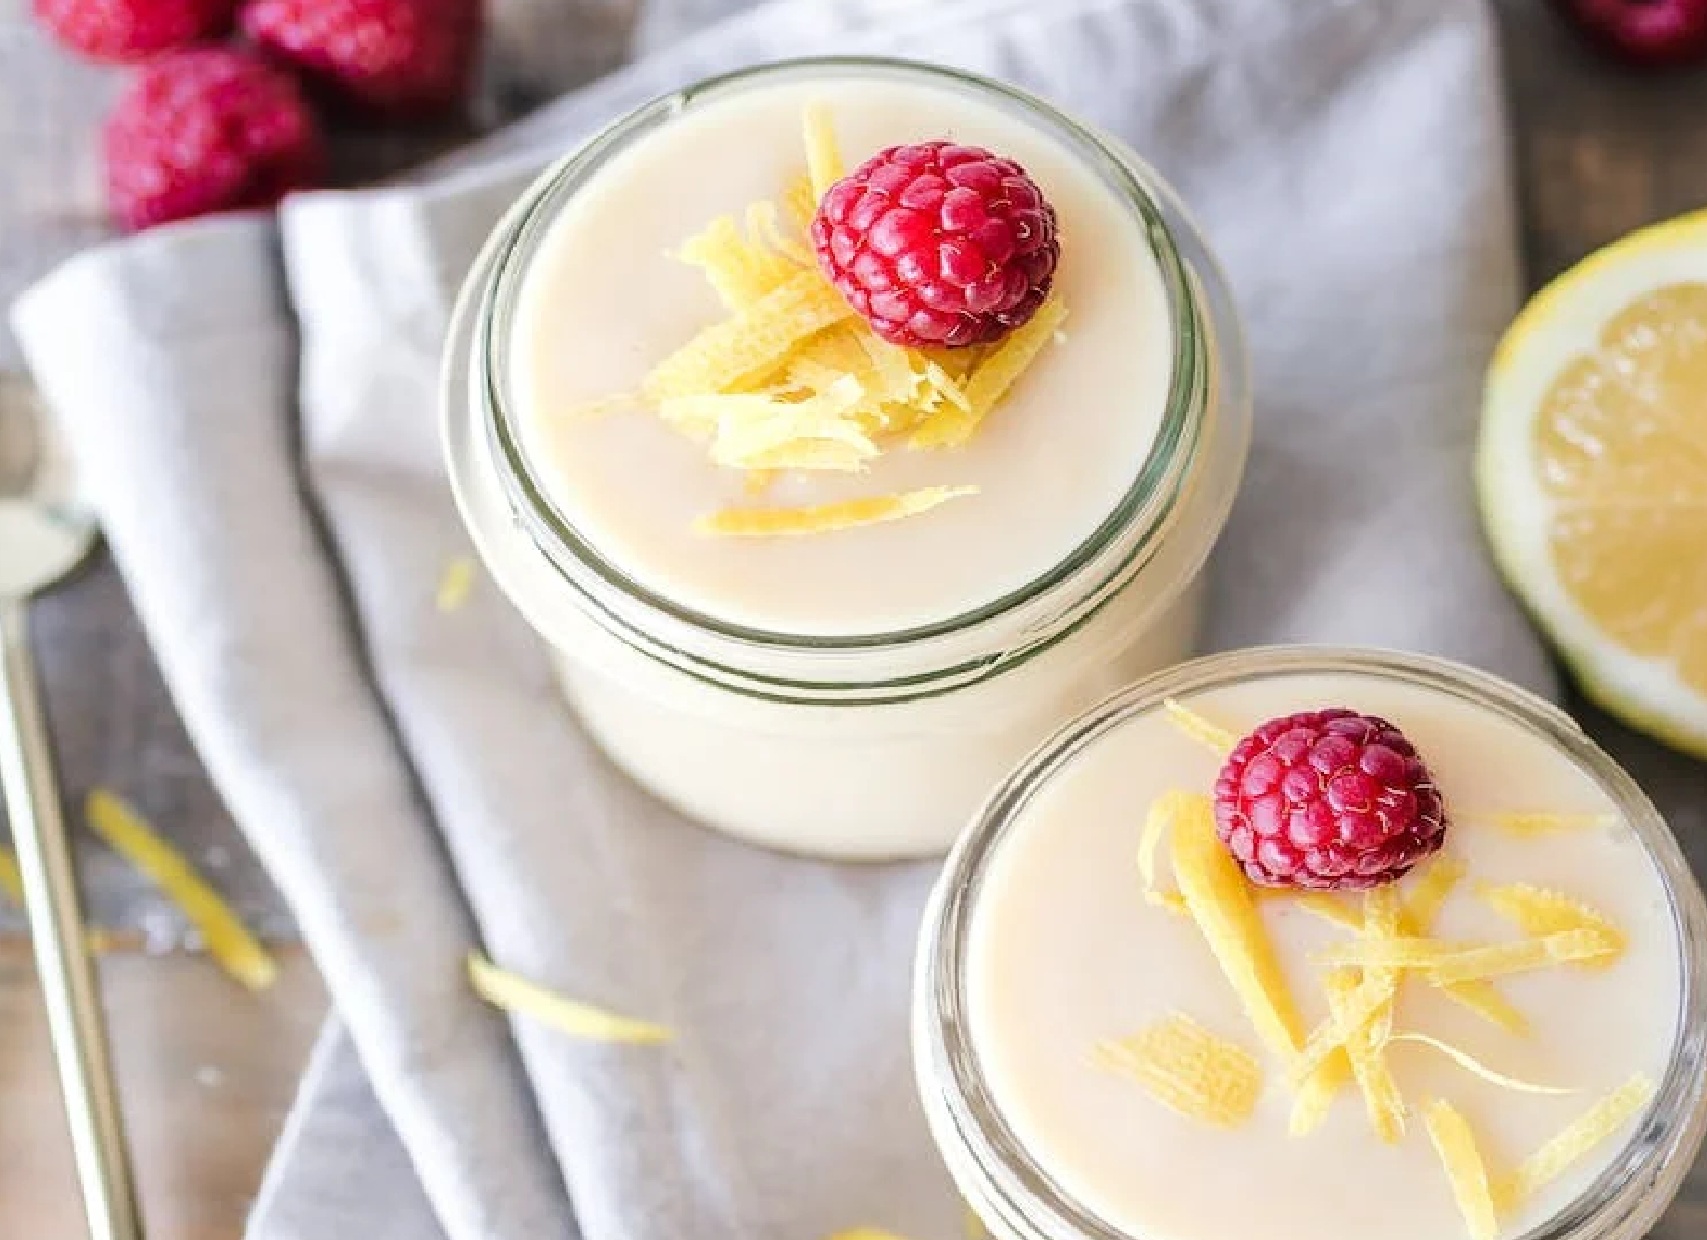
(132, 29)
(1327, 799)
(207, 130)
(402, 59)
(938, 244)
(1648, 33)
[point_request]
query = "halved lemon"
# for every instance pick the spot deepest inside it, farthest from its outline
(1592, 473)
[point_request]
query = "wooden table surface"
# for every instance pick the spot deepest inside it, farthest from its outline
(207, 1070)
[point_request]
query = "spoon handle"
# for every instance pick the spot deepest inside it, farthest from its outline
(56, 933)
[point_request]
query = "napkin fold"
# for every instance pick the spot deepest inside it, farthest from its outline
(259, 432)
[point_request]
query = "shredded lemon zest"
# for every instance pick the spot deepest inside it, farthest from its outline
(514, 993)
(1342, 1024)
(1447, 962)
(1169, 902)
(11, 877)
(743, 267)
(1540, 911)
(758, 481)
(1526, 823)
(1475, 1066)
(823, 154)
(799, 202)
(1484, 999)
(1189, 1070)
(1220, 902)
(227, 939)
(1465, 1168)
(1011, 358)
(1574, 1140)
(1383, 916)
(820, 518)
(1366, 1050)
(1164, 810)
(753, 341)
(456, 583)
(1199, 728)
(1427, 894)
(1316, 1094)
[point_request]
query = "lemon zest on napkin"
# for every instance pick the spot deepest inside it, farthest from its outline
(227, 939)
(514, 993)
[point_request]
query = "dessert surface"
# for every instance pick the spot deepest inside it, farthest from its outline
(608, 298)
(1158, 1094)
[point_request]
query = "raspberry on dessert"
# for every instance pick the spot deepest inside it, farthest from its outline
(1649, 33)
(1327, 799)
(402, 59)
(938, 244)
(211, 129)
(132, 29)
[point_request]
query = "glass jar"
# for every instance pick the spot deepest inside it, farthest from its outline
(1008, 1188)
(878, 745)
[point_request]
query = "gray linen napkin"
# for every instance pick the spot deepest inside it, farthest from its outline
(1347, 159)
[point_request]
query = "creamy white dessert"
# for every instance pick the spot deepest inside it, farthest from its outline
(843, 692)
(1081, 975)
(603, 302)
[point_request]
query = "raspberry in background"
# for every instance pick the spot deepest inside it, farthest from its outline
(210, 129)
(132, 29)
(938, 244)
(399, 59)
(1647, 33)
(1327, 799)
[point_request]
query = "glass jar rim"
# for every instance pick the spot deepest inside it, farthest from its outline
(621, 601)
(989, 1162)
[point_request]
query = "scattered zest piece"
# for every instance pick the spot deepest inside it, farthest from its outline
(1538, 911)
(1199, 728)
(1317, 1092)
(1485, 1000)
(821, 518)
(579, 1020)
(1220, 902)
(741, 266)
(1321, 904)
(1169, 901)
(752, 342)
(228, 940)
(11, 878)
(1344, 1021)
(1163, 811)
(1189, 1070)
(1447, 963)
(455, 584)
(1366, 1050)
(1435, 881)
(1382, 915)
(953, 427)
(1476, 1067)
(1466, 1170)
(1530, 823)
(823, 155)
(1576, 1139)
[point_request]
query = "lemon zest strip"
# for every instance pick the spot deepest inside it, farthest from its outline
(1447, 962)
(1574, 1140)
(1540, 911)
(1529, 823)
(227, 939)
(1428, 893)
(953, 426)
(1365, 1048)
(1198, 727)
(456, 583)
(823, 153)
(823, 518)
(1189, 1070)
(1316, 1094)
(11, 877)
(1466, 1170)
(514, 993)
(1476, 1067)
(1219, 898)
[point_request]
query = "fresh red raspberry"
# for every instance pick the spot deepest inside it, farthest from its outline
(1647, 33)
(211, 129)
(938, 244)
(1327, 799)
(401, 59)
(132, 29)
